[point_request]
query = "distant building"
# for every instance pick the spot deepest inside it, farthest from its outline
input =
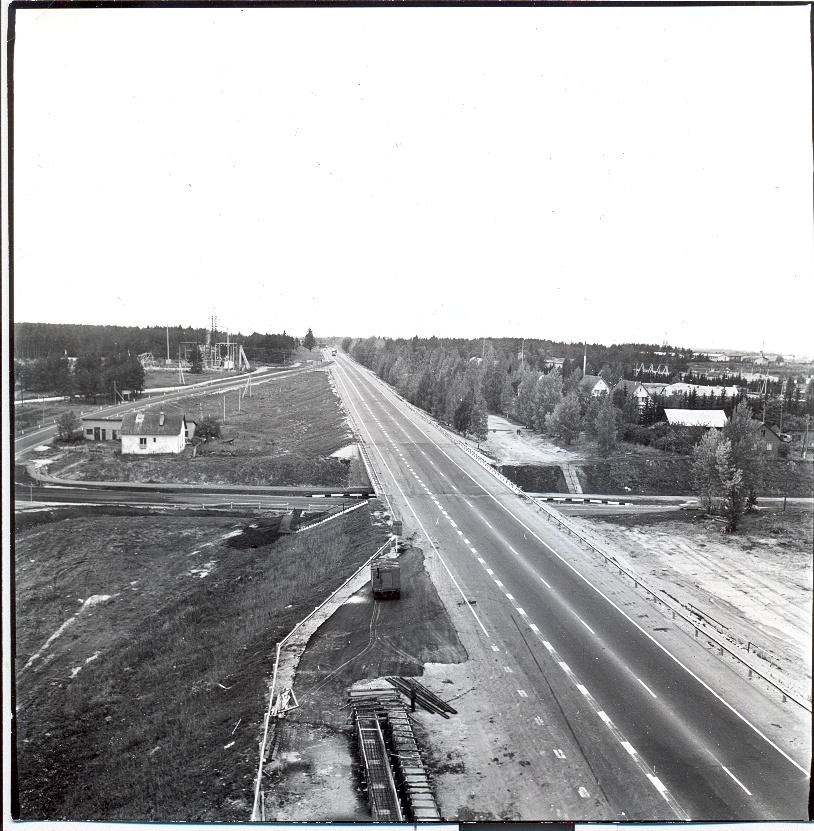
(593, 385)
(770, 438)
(695, 418)
(99, 428)
(149, 433)
(634, 389)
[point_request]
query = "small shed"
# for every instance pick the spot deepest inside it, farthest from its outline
(148, 433)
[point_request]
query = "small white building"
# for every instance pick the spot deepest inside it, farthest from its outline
(148, 433)
(99, 428)
(594, 386)
(635, 390)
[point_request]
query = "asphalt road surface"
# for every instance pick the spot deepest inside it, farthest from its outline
(652, 725)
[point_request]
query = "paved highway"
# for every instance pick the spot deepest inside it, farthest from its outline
(650, 725)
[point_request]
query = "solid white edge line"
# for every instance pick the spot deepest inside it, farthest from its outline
(737, 780)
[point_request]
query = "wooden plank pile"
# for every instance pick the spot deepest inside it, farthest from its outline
(408, 774)
(427, 699)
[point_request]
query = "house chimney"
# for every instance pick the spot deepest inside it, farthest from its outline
(161, 419)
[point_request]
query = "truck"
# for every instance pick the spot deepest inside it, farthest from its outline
(333, 352)
(385, 578)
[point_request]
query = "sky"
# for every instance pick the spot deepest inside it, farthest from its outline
(600, 174)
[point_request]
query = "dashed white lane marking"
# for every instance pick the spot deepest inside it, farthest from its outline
(474, 551)
(495, 648)
(522, 694)
(737, 780)
(646, 687)
(498, 583)
(533, 627)
(521, 612)
(545, 583)
(509, 670)
(629, 747)
(511, 597)
(583, 792)
(586, 626)
(452, 523)
(558, 753)
(466, 541)
(489, 571)
(480, 559)
(565, 667)
(487, 523)
(582, 689)
(604, 716)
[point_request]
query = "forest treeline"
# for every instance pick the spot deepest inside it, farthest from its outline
(45, 340)
(75, 359)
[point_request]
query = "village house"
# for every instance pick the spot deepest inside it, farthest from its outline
(99, 428)
(147, 433)
(695, 418)
(634, 389)
(593, 385)
(770, 438)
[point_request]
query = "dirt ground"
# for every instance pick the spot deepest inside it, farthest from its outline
(314, 774)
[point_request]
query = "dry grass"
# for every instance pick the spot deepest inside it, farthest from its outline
(163, 723)
(282, 435)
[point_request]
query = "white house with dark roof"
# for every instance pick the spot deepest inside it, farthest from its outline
(148, 433)
(593, 385)
(635, 390)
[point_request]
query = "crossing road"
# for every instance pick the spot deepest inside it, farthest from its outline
(650, 723)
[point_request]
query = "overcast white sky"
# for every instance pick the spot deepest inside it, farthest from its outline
(609, 174)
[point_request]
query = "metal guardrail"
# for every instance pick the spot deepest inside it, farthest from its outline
(608, 558)
(255, 817)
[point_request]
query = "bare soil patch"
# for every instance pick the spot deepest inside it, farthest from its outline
(144, 645)
(757, 583)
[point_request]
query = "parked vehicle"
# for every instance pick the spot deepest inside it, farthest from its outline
(385, 578)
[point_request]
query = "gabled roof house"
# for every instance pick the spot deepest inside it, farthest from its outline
(593, 385)
(147, 433)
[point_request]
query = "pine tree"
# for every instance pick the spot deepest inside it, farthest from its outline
(309, 340)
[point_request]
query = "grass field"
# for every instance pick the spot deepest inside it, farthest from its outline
(144, 645)
(283, 433)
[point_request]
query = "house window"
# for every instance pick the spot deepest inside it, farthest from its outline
(115, 435)
(768, 445)
(142, 442)
(153, 438)
(89, 431)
